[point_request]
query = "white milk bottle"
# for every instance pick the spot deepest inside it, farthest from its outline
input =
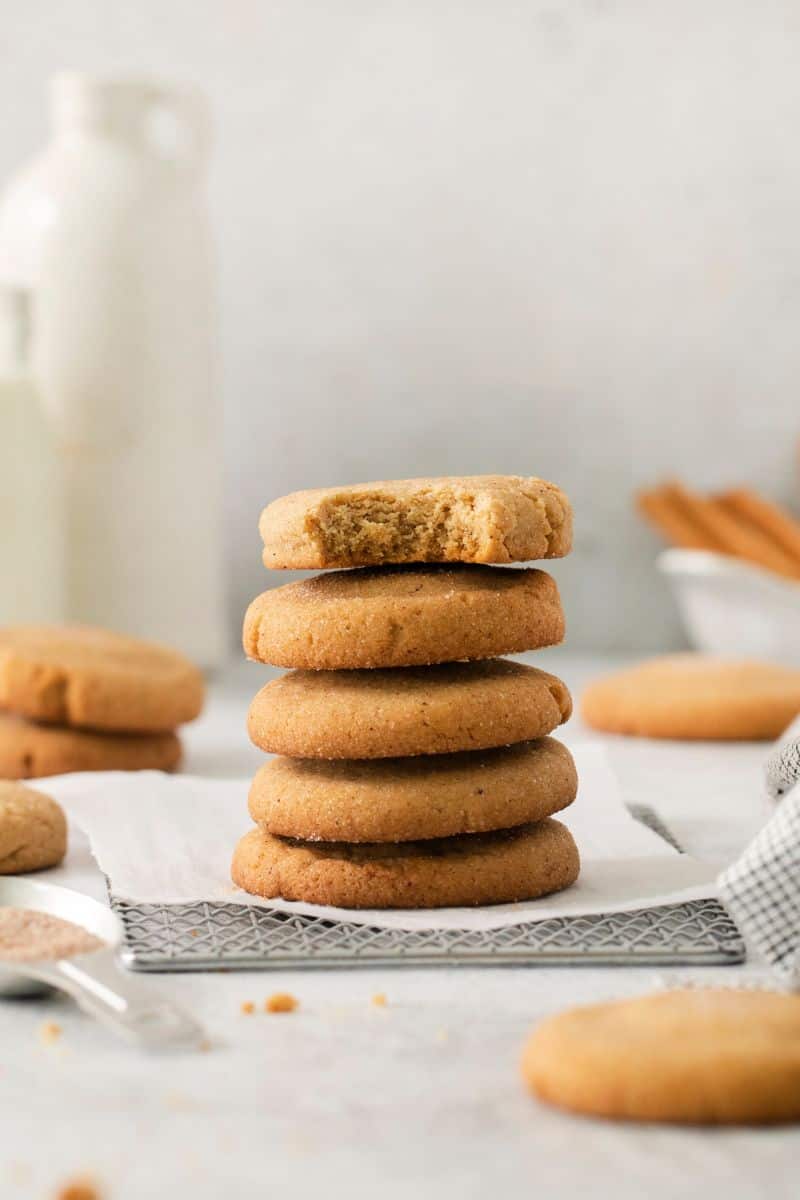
(31, 549)
(107, 230)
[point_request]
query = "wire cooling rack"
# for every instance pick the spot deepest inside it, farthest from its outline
(223, 937)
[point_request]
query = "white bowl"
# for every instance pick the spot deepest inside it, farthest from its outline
(733, 608)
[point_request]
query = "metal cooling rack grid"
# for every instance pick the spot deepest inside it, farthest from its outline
(208, 937)
(224, 936)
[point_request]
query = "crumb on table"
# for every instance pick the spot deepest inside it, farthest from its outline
(281, 1002)
(248, 1007)
(379, 1000)
(78, 1189)
(49, 1032)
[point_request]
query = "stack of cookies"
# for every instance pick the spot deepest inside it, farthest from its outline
(414, 768)
(80, 699)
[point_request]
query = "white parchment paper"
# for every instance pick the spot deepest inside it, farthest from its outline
(169, 839)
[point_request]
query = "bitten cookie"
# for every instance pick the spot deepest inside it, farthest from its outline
(695, 696)
(94, 679)
(30, 751)
(403, 616)
(705, 1056)
(481, 868)
(33, 830)
(471, 518)
(406, 711)
(406, 799)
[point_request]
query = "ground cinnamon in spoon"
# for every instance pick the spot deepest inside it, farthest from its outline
(30, 936)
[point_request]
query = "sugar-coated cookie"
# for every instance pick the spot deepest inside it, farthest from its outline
(695, 696)
(30, 751)
(407, 799)
(93, 679)
(407, 710)
(404, 617)
(33, 830)
(480, 868)
(471, 518)
(705, 1056)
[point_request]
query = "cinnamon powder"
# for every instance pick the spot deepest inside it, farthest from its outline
(30, 936)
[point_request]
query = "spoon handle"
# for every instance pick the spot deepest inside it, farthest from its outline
(131, 1008)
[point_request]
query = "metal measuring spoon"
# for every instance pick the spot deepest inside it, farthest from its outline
(132, 1009)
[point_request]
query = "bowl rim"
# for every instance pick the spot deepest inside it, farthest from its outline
(709, 564)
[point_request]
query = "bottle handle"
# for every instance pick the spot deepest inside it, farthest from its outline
(186, 140)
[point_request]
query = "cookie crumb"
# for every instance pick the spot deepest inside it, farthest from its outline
(204, 1046)
(49, 1032)
(79, 1189)
(281, 1002)
(379, 1000)
(248, 1007)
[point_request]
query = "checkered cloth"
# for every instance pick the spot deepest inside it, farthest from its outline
(761, 890)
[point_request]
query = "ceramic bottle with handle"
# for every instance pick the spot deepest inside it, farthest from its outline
(31, 537)
(107, 232)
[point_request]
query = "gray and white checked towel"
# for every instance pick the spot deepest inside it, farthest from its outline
(761, 890)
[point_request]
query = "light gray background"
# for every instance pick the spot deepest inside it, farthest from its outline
(555, 238)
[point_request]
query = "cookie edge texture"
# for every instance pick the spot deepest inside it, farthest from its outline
(360, 811)
(290, 526)
(354, 633)
(480, 878)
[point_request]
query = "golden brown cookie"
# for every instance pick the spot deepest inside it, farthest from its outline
(407, 710)
(470, 518)
(408, 799)
(93, 679)
(403, 617)
(708, 1056)
(30, 751)
(480, 868)
(695, 696)
(33, 830)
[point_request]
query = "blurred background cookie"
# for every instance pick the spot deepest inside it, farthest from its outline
(29, 750)
(94, 679)
(33, 829)
(694, 696)
(701, 1056)
(75, 698)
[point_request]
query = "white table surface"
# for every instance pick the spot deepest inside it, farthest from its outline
(345, 1099)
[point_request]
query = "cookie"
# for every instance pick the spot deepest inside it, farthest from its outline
(408, 799)
(470, 518)
(407, 710)
(695, 696)
(33, 830)
(403, 617)
(481, 868)
(30, 751)
(93, 679)
(708, 1057)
